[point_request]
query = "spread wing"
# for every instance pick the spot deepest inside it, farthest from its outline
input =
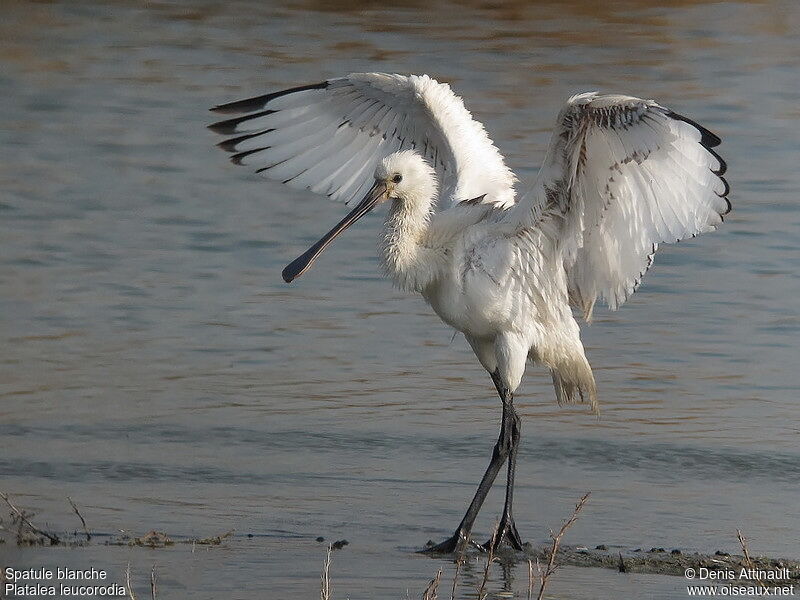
(622, 175)
(328, 137)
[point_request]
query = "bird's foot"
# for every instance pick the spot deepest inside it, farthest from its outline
(506, 533)
(455, 544)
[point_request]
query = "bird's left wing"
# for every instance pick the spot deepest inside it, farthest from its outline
(329, 137)
(622, 175)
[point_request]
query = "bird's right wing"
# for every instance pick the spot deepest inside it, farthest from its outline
(329, 137)
(621, 175)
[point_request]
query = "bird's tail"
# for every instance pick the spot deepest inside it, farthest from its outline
(570, 390)
(572, 378)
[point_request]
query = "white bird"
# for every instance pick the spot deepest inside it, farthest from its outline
(620, 176)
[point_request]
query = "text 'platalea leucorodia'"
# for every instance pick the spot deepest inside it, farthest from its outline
(620, 176)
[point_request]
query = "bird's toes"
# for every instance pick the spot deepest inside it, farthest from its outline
(456, 543)
(506, 534)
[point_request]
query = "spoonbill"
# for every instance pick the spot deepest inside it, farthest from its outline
(621, 175)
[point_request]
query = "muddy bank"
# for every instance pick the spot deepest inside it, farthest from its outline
(665, 561)
(719, 566)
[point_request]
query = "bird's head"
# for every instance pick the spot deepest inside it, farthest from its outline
(404, 177)
(407, 176)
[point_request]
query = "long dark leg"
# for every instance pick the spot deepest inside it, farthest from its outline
(502, 450)
(507, 529)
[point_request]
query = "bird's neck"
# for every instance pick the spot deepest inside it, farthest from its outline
(410, 257)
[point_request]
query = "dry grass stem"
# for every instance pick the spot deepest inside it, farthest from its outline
(80, 516)
(530, 578)
(746, 552)
(459, 562)
(551, 563)
(24, 519)
(325, 585)
(489, 559)
(430, 592)
(131, 593)
(153, 583)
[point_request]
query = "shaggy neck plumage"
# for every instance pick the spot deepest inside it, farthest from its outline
(410, 257)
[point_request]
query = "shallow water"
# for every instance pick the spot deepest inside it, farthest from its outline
(154, 367)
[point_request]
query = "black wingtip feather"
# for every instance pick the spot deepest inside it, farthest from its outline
(237, 158)
(707, 139)
(729, 209)
(723, 166)
(228, 126)
(229, 145)
(726, 191)
(259, 102)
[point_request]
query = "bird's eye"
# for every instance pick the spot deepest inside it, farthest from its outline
(397, 178)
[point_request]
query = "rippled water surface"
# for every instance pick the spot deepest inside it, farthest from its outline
(154, 367)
